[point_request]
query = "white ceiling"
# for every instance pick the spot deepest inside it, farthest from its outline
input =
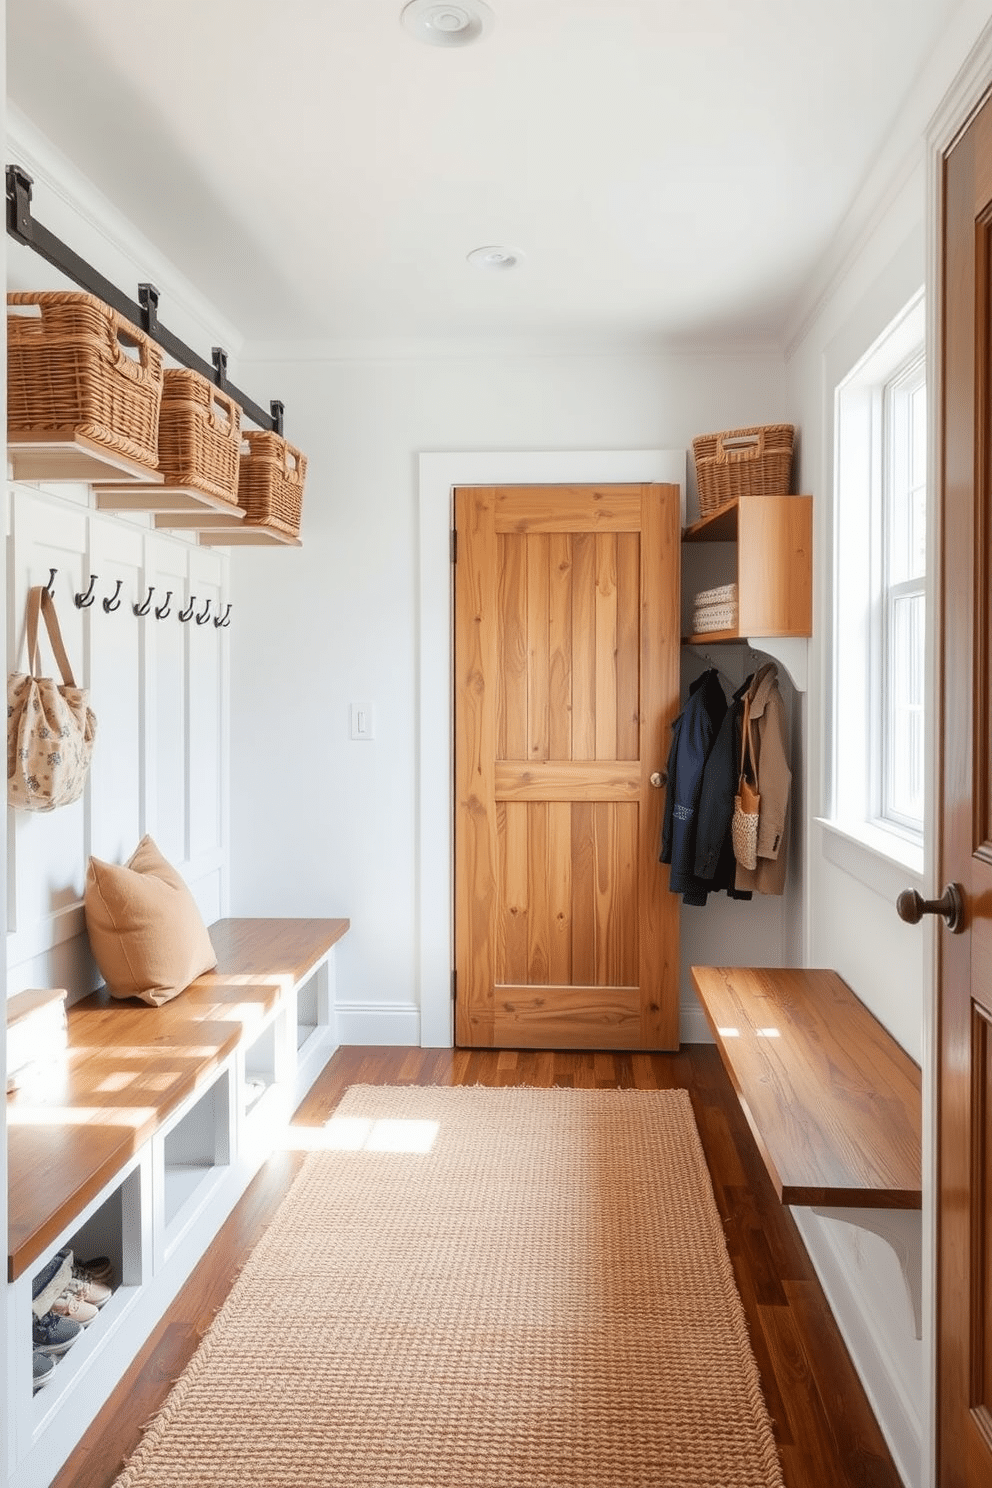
(672, 169)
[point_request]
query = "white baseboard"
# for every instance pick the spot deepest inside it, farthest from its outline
(378, 1023)
(693, 1027)
(901, 1425)
(388, 1023)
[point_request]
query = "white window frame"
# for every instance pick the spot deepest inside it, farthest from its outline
(856, 802)
(907, 379)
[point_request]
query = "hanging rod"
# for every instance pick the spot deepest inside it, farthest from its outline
(24, 228)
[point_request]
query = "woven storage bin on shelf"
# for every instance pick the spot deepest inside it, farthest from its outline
(743, 462)
(199, 436)
(270, 484)
(78, 366)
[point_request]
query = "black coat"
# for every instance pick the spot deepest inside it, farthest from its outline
(693, 734)
(714, 861)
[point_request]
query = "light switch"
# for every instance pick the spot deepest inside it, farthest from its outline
(362, 721)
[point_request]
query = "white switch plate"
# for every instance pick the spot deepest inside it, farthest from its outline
(362, 721)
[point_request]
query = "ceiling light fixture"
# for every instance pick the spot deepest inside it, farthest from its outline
(494, 257)
(447, 23)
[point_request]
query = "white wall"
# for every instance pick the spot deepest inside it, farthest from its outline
(325, 825)
(850, 915)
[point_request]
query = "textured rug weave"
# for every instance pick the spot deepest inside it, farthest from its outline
(480, 1288)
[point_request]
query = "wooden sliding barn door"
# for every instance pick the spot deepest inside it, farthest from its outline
(964, 1115)
(566, 683)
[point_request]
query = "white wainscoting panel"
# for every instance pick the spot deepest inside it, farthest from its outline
(159, 689)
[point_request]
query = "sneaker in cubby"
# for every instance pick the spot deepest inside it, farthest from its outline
(53, 1334)
(69, 1305)
(43, 1367)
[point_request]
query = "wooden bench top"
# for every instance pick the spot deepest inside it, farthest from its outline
(833, 1102)
(129, 1066)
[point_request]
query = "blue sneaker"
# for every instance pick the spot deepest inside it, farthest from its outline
(53, 1334)
(43, 1366)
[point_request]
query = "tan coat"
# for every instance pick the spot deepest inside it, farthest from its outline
(771, 755)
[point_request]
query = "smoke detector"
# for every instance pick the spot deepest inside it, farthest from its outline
(494, 257)
(447, 23)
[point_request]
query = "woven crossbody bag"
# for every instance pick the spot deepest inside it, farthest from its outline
(50, 725)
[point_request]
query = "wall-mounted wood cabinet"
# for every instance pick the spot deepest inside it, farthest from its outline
(772, 538)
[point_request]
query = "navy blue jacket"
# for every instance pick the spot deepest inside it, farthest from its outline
(693, 733)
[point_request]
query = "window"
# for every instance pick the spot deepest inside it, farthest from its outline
(899, 784)
(880, 589)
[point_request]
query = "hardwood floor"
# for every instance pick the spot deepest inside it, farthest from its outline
(827, 1434)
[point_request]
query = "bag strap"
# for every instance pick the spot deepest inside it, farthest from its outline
(746, 740)
(40, 600)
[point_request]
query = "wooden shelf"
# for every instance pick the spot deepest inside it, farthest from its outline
(718, 526)
(164, 500)
(774, 568)
(60, 455)
(833, 1102)
(252, 534)
(223, 529)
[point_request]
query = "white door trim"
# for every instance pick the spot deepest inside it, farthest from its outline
(439, 474)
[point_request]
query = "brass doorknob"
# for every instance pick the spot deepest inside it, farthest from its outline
(911, 907)
(659, 778)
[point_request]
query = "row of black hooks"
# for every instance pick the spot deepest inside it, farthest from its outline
(112, 602)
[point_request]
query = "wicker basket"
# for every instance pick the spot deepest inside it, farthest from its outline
(270, 484)
(76, 365)
(743, 462)
(199, 435)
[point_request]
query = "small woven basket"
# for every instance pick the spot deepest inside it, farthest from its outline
(199, 436)
(743, 462)
(270, 483)
(76, 365)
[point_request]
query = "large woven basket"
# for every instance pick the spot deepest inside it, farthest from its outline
(271, 480)
(74, 365)
(199, 436)
(743, 462)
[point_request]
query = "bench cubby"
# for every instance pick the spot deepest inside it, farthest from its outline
(192, 1155)
(138, 1144)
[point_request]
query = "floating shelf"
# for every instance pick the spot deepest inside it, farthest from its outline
(223, 528)
(59, 455)
(162, 500)
(251, 534)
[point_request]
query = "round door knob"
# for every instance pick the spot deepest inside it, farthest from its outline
(911, 907)
(659, 778)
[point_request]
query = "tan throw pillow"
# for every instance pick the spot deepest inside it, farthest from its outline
(146, 933)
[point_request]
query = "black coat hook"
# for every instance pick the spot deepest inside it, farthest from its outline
(83, 601)
(113, 603)
(204, 614)
(223, 621)
(163, 609)
(50, 586)
(143, 609)
(187, 613)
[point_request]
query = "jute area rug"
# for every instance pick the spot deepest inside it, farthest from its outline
(480, 1288)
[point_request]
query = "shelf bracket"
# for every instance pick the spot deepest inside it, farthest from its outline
(791, 652)
(902, 1229)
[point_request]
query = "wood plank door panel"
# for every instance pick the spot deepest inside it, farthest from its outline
(964, 1115)
(566, 684)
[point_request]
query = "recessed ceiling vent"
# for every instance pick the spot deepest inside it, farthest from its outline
(447, 23)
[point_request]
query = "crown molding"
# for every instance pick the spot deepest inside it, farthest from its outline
(57, 176)
(963, 48)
